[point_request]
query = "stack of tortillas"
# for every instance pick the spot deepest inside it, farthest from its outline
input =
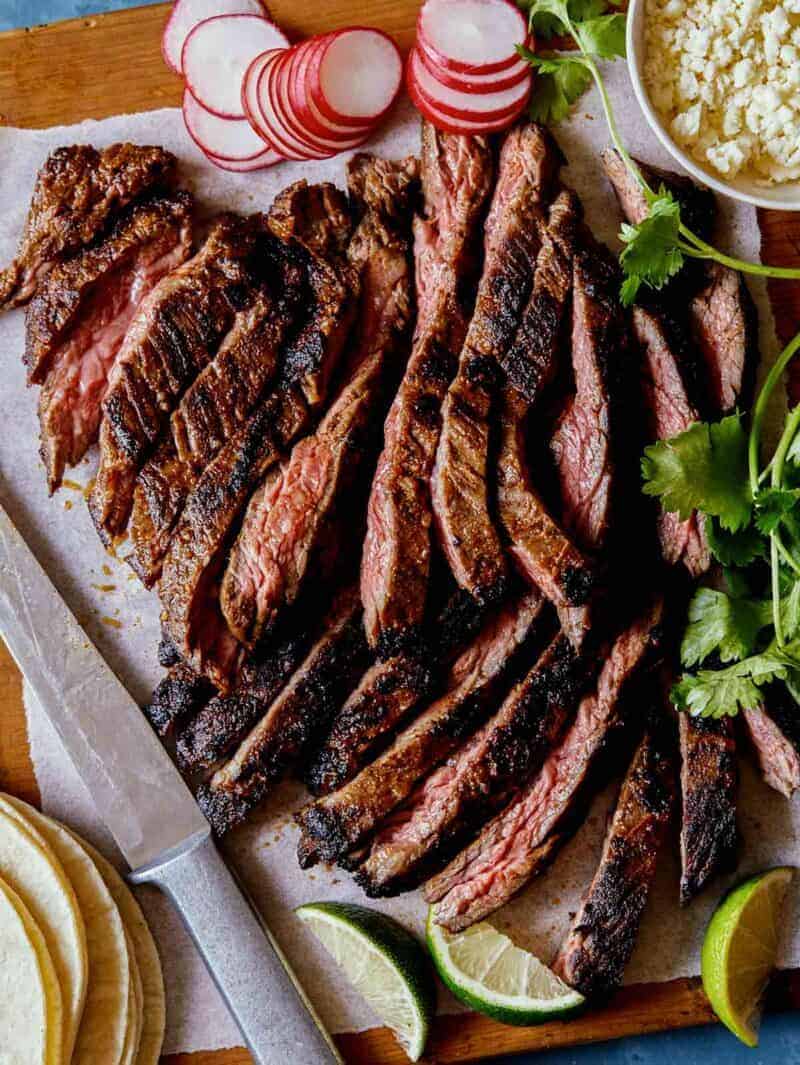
(80, 978)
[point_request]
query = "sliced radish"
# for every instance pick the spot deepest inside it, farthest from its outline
(233, 139)
(303, 106)
(473, 83)
(290, 118)
(257, 102)
(355, 76)
(275, 119)
(185, 15)
(466, 106)
(448, 124)
(269, 157)
(472, 35)
(217, 53)
(250, 101)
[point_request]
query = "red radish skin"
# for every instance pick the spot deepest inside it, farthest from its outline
(472, 36)
(232, 139)
(473, 83)
(250, 98)
(217, 53)
(446, 123)
(303, 105)
(256, 86)
(467, 107)
(186, 14)
(288, 115)
(274, 117)
(246, 166)
(351, 67)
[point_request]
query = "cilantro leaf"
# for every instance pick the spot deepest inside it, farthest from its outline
(561, 81)
(735, 548)
(773, 505)
(723, 692)
(790, 612)
(703, 468)
(652, 253)
(722, 624)
(603, 37)
(548, 18)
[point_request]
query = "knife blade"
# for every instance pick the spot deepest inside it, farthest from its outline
(150, 811)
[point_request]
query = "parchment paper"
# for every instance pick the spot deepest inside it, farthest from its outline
(122, 618)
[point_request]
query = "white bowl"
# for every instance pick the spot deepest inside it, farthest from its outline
(779, 197)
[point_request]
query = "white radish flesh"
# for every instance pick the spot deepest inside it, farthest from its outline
(472, 35)
(217, 53)
(355, 76)
(245, 166)
(233, 139)
(186, 14)
(448, 124)
(473, 83)
(260, 105)
(288, 114)
(302, 101)
(470, 107)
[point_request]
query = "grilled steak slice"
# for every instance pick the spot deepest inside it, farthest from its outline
(671, 411)
(176, 699)
(709, 778)
(456, 182)
(456, 799)
(721, 314)
(291, 722)
(599, 944)
(342, 820)
(204, 740)
(515, 845)
(172, 337)
(77, 194)
(281, 535)
(192, 565)
(76, 322)
(775, 734)
(529, 165)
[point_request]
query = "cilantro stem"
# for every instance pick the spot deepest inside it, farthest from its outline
(777, 617)
(760, 409)
(706, 251)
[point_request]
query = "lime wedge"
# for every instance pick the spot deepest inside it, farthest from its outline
(382, 961)
(739, 950)
(484, 970)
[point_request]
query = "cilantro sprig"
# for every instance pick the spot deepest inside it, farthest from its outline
(658, 246)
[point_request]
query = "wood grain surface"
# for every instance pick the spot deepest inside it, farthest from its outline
(109, 64)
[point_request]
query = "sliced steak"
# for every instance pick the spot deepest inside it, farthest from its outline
(77, 194)
(516, 844)
(206, 738)
(454, 801)
(291, 722)
(342, 820)
(709, 779)
(76, 322)
(698, 205)
(456, 175)
(602, 935)
(460, 485)
(216, 403)
(671, 411)
(774, 731)
(176, 699)
(283, 533)
(174, 334)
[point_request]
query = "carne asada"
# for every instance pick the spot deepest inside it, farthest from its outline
(460, 486)
(774, 732)
(77, 193)
(340, 821)
(176, 699)
(282, 534)
(598, 946)
(457, 174)
(454, 801)
(77, 320)
(515, 846)
(301, 710)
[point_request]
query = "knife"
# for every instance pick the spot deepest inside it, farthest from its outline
(151, 813)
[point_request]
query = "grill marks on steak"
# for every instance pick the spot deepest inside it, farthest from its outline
(774, 731)
(77, 193)
(521, 840)
(709, 778)
(172, 337)
(456, 176)
(599, 944)
(77, 320)
(292, 721)
(342, 820)
(529, 164)
(176, 699)
(283, 531)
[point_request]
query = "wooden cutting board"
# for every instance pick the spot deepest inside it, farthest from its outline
(103, 65)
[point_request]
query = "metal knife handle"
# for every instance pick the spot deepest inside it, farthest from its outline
(277, 1021)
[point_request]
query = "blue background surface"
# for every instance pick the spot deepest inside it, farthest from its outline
(780, 1040)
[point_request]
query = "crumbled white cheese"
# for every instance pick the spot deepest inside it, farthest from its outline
(724, 75)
